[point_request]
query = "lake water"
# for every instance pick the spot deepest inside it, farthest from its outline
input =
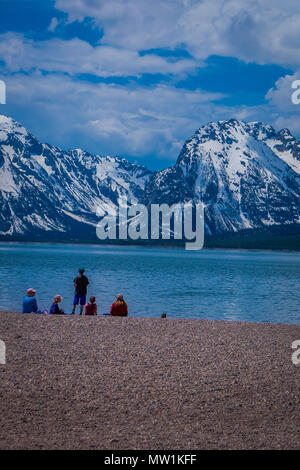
(212, 284)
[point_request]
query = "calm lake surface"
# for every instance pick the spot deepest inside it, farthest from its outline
(212, 284)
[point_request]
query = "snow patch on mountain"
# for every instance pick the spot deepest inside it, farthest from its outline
(45, 188)
(240, 171)
(246, 174)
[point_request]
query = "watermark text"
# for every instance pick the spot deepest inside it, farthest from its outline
(154, 222)
(2, 352)
(296, 94)
(296, 354)
(2, 92)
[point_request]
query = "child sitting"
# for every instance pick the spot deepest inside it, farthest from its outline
(119, 308)
(55, 310)
(91, 307)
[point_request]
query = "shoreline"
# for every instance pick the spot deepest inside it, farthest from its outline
(130, 316)
(147, 383)
(146, 245)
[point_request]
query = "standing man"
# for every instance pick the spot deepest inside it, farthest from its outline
(80, 283)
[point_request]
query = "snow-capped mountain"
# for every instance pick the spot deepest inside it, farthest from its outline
(246, 174)
(44, 189)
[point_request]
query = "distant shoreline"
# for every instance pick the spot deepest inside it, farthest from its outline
(273, 238)
(150, 245)
(101, 315)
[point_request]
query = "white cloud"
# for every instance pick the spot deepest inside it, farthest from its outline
(77, 57)
(256, 30)
(53, 24)
(280, 96)
(137, 120)
(125, 120)
(285, 112)
(108, 118)
(133, 24)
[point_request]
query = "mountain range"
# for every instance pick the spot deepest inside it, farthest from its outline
(246, 174)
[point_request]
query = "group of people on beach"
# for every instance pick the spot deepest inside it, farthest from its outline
(119, 308)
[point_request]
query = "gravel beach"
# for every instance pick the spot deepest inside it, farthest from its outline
(143, 383)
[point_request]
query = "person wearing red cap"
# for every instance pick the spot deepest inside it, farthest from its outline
(119, 308)
(29, 302)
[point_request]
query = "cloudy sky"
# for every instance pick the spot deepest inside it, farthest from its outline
(136, 78)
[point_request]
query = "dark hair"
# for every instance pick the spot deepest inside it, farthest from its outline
(93, 299)
(81, 270)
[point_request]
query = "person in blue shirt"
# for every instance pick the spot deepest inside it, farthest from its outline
(29, 302)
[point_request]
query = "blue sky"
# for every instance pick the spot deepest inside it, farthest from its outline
(137, 78)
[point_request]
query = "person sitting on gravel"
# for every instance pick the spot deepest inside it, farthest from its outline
(119, 308)
(55, 310)
(29, 302)
(91, 307)
(80, 283)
